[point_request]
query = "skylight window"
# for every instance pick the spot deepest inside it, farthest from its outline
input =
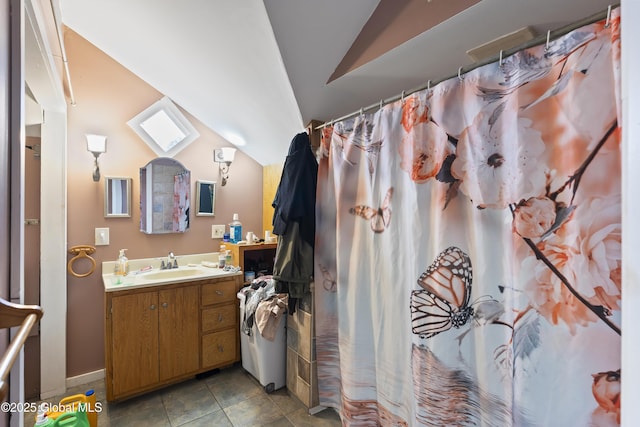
(164, 128)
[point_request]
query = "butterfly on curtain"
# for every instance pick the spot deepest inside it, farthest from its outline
(443, 303)
(328, 282)
(380, 217)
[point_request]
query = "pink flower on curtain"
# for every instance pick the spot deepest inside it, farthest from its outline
(588, 253)
(606, 390)
(414, 111)
(498, 159)
(424, 145)
(534, 216)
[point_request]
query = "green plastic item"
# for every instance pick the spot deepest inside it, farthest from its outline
(72, 419)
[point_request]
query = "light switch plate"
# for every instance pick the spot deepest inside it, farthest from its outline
(102, 236)
(217, 231)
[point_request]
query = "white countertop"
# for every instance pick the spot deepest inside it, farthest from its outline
(191, 268)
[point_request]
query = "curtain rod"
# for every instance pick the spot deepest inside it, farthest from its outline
(544, 38)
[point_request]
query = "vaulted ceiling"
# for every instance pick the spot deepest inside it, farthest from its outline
(256, 72)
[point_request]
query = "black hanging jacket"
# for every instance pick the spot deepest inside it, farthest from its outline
(294, 219)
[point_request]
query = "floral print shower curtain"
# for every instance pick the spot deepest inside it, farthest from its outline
(468, 246)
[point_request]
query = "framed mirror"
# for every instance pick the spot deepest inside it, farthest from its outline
(205, 198)
(165, 197)
(117, 197)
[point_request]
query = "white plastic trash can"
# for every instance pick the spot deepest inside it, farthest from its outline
(265, 360)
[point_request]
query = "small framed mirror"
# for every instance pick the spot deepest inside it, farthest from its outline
(117, 197)
(205, 198)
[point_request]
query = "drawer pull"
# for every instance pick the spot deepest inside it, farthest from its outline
(220, 348)
(219, 292)
(153, 307)
(165, 305)
(220, 317)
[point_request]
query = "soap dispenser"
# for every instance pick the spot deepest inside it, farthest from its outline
(122, 265)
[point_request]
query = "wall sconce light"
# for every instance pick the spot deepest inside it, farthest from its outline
(224, 156)
(97, 144)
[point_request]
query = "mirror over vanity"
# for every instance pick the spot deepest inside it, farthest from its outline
(165, 197)
(117, 197)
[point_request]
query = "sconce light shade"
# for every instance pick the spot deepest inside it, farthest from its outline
(224, 156)
(97, 144)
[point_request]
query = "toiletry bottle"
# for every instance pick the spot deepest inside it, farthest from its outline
(235, 229)
(222, 255)
(41, 417)
(122, 266)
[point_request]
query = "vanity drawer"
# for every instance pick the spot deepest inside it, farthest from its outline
(219, 317)
(219, 348)
(216, 293)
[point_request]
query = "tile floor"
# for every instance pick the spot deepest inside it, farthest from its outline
(229, 398)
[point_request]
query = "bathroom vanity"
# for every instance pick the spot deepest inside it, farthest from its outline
(165, 326)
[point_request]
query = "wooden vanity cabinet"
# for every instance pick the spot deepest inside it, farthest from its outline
(160, 335)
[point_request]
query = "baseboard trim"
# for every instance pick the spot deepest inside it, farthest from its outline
(87, 378)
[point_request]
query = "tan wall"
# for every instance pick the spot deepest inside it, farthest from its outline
(270, 180)
(107, 96)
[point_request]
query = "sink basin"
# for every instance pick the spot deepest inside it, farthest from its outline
(170, 274)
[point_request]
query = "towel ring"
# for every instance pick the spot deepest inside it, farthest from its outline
(81, 251)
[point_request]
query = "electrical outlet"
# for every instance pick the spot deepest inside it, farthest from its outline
(217, 231)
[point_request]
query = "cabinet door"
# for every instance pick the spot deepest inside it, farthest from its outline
(179, 331)
(134, 325)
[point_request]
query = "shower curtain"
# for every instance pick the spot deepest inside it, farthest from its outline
(468, 246)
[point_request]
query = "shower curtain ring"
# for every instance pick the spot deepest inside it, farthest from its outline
(428, 85)
(361, 112)
(500, 61)
(546, 47)
(460, 74)
(381, 104)
(402, 97)
(607, 22)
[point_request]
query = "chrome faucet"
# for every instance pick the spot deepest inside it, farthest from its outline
(172, 262)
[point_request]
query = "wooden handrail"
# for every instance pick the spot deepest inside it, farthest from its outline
(11, 315)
